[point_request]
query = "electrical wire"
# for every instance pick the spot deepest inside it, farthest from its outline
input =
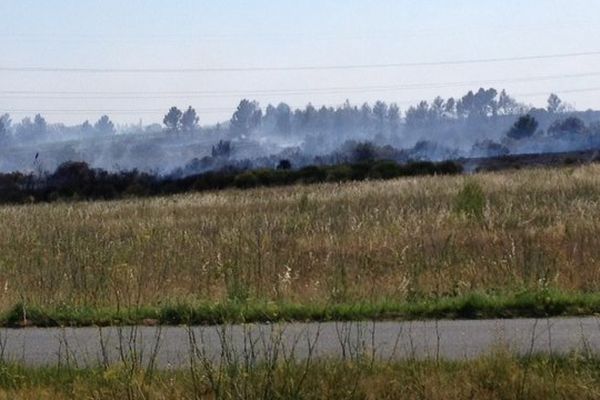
(94, 70)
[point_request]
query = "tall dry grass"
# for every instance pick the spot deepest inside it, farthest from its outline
(365, 241)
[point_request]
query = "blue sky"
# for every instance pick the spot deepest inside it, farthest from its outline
(235, 33)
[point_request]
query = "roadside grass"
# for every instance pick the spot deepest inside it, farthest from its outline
(526, 304)
(497, 376)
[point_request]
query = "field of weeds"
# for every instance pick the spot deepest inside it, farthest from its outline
(403, 241)
(498, 376)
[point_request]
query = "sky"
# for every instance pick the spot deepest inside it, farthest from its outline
(236, 34)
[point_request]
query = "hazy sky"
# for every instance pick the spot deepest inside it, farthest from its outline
(235, 33)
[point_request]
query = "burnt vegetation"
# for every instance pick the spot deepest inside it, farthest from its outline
(77, 181)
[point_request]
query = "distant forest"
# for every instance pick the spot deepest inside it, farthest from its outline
(482, 123)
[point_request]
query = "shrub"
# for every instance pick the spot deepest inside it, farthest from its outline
(568, 126)
(265, 177)
(489, 148)
(524, 127)
(284, 165)
(222, 149)
(339, 173)
(76, 180)
(418, 168)
(312, 174)
(471, 201)
(449, 168)
(384, 170)
(245, 180)
(364, 152)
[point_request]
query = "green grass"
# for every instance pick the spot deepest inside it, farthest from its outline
(546, 303)
(497, 376)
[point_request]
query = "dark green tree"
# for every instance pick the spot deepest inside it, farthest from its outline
(246, 118)
(4, 127)
(40, 125)
(380, 110)
(394, 117)
(555, 104)
(105, 126)
(173, 120)
(189, 120)
(524, 127)
(567, 126)
(284, 119)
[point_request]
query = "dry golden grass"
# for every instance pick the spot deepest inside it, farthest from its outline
(363, 241)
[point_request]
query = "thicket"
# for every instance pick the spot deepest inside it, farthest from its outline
(78, 181)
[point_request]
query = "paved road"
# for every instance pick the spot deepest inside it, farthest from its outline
(172, 345)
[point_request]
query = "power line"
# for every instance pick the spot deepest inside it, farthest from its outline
(223, 110)
(582, 90)
(78, 95)
(113, 111)
(312, 35)
(29, 69)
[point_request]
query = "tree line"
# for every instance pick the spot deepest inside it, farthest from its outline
(248, 118)
(29, 129)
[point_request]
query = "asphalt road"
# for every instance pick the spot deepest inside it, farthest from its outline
(171, 347)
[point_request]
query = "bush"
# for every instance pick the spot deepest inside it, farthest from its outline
(418, 168)
(245, 180)
(489, 148)
(524, 127)
(222, 149)
(76, 180)
(471, 201)
(384, 170)
(312, 174)
(449, 168)
(571, 125)
(364, 152)
(284, 165)
(265, 177)
(339, 173)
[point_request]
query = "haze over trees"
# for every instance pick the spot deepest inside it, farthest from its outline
(32, 130)
(189, 120)
(555, 104)
(246, 118)
(5, 123)
(481, 123)
(172, 120)
(569, 125)
(105, 126)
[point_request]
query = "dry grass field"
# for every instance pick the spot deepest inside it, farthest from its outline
(400, 240)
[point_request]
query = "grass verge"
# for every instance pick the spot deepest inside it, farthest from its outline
(546, 303)
(498, 376)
